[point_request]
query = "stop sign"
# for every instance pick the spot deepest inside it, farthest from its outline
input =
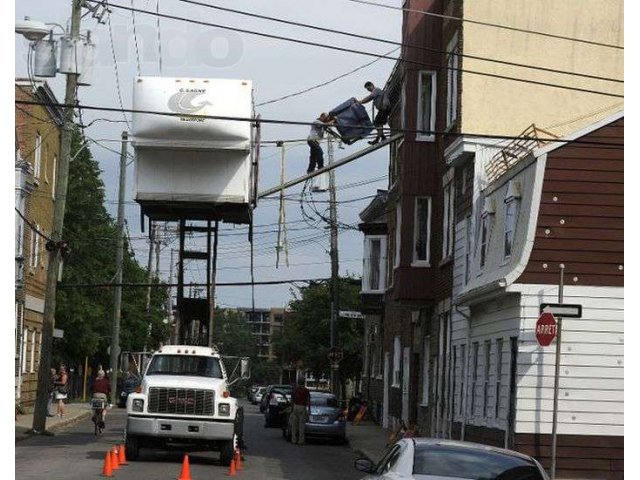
(546, 329)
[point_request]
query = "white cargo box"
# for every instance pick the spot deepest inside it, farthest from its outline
(187, 165)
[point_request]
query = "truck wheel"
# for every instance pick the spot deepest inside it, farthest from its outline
(227, 451)
(132, 447)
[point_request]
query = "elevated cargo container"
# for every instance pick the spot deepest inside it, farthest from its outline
(188, 165)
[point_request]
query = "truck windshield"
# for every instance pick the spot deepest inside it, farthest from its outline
(185, 365)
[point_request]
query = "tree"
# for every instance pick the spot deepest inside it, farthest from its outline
(305, 338)
(85, 314)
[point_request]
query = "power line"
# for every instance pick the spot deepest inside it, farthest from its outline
(135, 36)
(167, 285)
(115, 65)
(495, 25)
(391, 42)
(293, 122)
(362, 52)
(33, 227)
(159, 37)
(319, 85)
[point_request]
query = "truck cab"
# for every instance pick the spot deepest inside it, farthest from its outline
(184, 401)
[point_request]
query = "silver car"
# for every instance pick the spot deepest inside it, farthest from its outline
(326, 419)
(257, 396)
(437, 459)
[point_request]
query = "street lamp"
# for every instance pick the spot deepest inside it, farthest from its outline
(32, 30)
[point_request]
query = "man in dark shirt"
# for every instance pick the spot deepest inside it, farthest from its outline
(301, 400)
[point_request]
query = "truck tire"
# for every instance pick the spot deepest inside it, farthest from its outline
(132, 447)
(227, 450)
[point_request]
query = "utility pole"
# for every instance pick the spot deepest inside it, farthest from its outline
(556, 384)
(172, 335)
(333, 218)
(48, 320)
(117, 301)
(153, 234)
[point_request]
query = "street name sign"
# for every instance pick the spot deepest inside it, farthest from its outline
(564, 310)
(546, 329)
(350, 314)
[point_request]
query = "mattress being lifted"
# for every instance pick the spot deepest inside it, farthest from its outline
(352, 121)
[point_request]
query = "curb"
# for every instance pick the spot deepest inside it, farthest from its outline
(62, 424)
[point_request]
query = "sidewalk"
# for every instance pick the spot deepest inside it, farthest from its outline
(75, 412)
(367, 439)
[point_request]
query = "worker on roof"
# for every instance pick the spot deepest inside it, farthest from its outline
(316, 155)
(382, 104)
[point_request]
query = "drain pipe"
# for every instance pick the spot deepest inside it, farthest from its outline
(465, 381)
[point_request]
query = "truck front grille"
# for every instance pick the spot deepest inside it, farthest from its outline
(182, 401)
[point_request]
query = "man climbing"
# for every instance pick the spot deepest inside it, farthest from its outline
(316, 160)
(381, 102)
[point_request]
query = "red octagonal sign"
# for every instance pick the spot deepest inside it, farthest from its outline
(546, 329)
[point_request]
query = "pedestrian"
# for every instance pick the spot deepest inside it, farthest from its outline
(62, 390)
(52, 391)
(301, 399)
(316, 160)
(382, 104)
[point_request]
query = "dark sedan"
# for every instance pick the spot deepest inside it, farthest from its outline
(326, 420)
(274, 399)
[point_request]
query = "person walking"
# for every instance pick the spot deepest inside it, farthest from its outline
(316, 155)
(62, 390)
(382, 104)
(301, 399)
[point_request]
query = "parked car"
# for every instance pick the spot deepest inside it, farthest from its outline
(257, 397)
(436, 459)
(251, 392)
(128, 386)
(326, 420)
(274, 397)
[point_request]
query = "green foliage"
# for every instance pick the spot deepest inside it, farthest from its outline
(305, 338)
(85, 314)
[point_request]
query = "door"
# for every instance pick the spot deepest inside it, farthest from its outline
(385, 394)
(509, 438)
(406, 375)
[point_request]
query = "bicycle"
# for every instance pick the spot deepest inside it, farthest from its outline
(98, 406)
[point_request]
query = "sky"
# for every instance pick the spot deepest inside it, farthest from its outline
(276, 68)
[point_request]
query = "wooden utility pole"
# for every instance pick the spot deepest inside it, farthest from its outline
(153, 234)
(117, 301)
(48, 320)
(556, 383)
(333, 219)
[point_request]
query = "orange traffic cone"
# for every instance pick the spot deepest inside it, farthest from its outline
(114, 459)
(106, 469)
(185, 474)
(232, 468)
(122, 459)
(239, 460)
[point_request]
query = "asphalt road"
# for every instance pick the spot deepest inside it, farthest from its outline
(75, 454)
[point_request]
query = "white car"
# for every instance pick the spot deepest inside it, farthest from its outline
(257, 397)
(437, 459)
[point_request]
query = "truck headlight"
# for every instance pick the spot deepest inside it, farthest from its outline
(224, 409)
(137, 405)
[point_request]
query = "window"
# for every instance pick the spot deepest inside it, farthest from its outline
(487, 365)
(53, 177)
(398, 236)
(510, 215)
(397, 352)
(426, 369)
(447, 221)
(499, 344)
(32, 358)
(25, 343)
(375, 248)
(37, 156)
(35, 246)
(45, 157)
(453, 378)
(467, 249)
(426, 106)
(474, 377)
(394, 163)
(463, 363)
(452, 81)
(484, 238)
(422, 234)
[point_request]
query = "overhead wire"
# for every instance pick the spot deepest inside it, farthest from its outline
(362, 52)
(135, 35)
(489, 24)
(115, 65)
(391, 42)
